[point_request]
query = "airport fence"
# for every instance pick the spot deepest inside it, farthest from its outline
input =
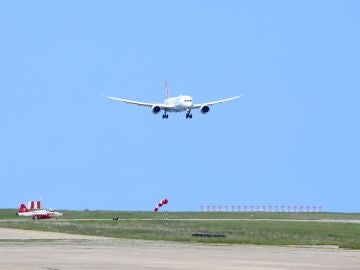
(262, 208)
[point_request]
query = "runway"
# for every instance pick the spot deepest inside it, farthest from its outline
(21, 249)
(353, 221)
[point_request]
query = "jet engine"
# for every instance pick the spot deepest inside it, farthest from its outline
(204, 109)
(155, 109)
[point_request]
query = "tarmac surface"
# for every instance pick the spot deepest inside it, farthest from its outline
(22, 249)
(353, 221)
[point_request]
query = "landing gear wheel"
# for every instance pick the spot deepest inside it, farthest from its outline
(165, 116)
(188, 114)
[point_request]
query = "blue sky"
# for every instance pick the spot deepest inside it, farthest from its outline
(293, 139)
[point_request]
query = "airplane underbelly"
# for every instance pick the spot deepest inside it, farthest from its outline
(180, 108)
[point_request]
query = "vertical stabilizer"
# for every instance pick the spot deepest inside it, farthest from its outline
(166, 90)
(23, 208)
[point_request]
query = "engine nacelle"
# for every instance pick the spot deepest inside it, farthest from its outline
(155, 109)
(204, 109)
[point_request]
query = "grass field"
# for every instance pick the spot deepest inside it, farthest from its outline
(247, 228)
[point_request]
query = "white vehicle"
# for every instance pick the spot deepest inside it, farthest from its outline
(175, 104)
(38, 213)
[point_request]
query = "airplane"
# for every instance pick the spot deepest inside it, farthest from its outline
(39, 213)
(182, 103)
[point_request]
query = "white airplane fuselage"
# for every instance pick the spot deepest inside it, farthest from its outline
(179, 104)
(39, 214)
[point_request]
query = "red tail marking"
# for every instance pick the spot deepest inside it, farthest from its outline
(23, 208)
(166, 90)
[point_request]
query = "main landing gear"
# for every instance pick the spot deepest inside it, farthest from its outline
(165, 116)
(188, 114)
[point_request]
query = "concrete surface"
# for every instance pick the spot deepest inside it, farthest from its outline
(21, 249)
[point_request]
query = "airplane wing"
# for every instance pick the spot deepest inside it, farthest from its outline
(139, 103)
(195, 106)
